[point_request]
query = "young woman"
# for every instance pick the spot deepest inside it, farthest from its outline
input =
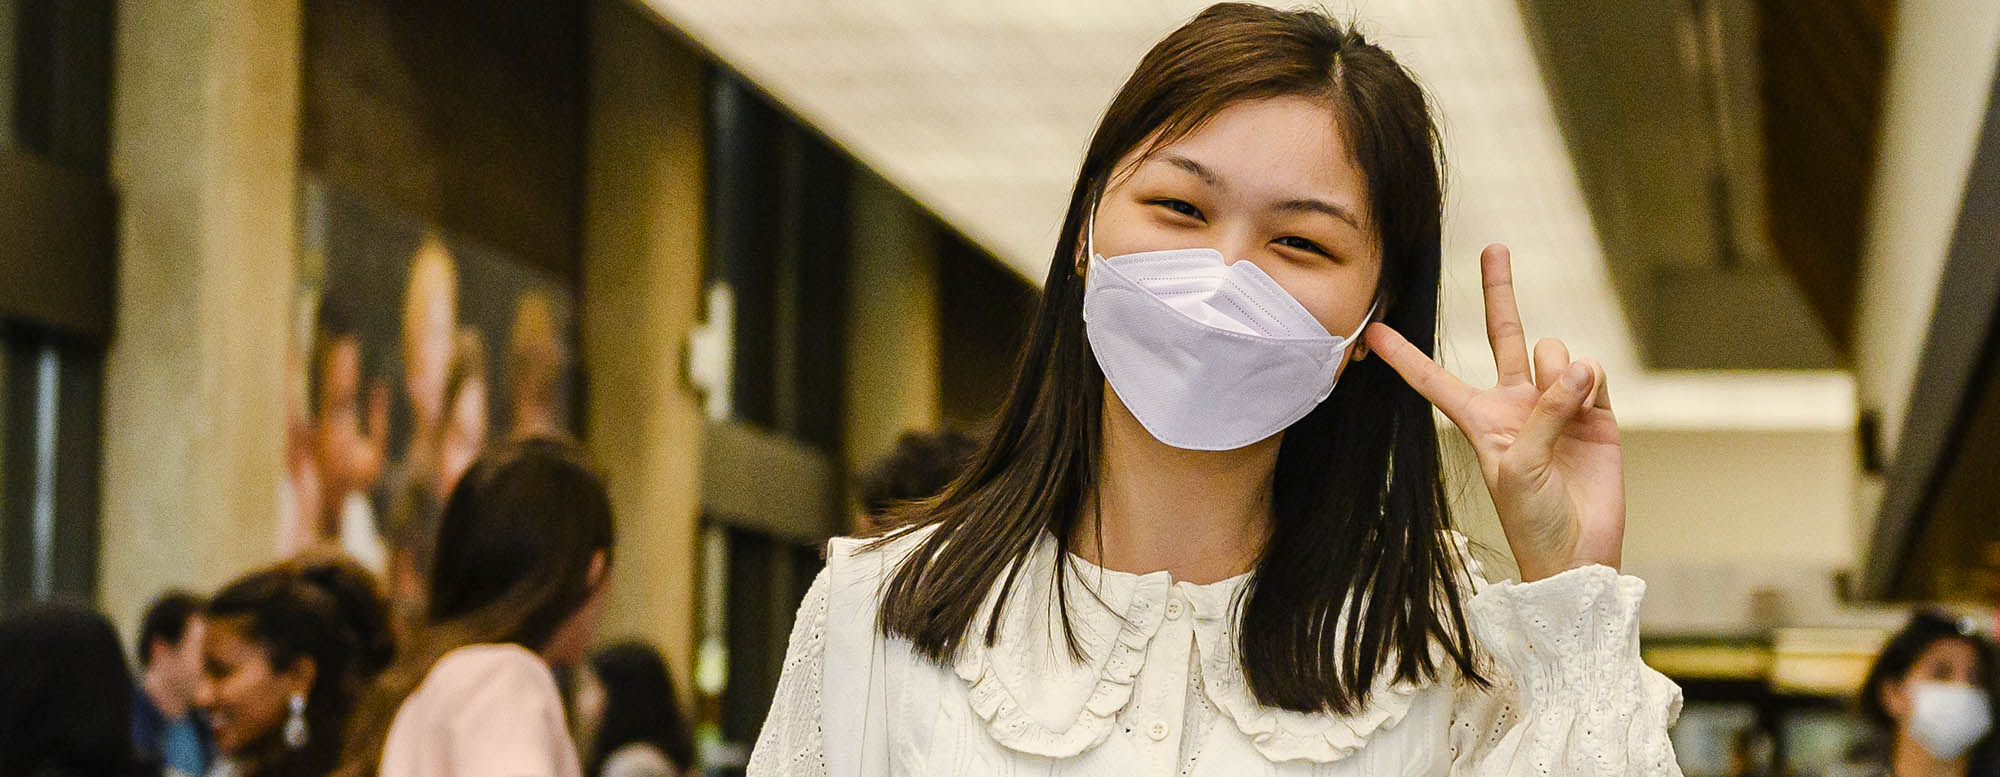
(285, 652)
(1208, 536)
(518, 582)
(628, 717)
(1929, 697)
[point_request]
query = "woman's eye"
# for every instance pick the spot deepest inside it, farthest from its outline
(1177, 206)
(1303, 244)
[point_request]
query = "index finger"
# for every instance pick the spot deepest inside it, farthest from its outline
(1443, 389)
(1503, 319)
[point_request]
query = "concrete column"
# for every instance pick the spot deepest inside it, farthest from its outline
(642, 271)
(204, 160)
(892, 321)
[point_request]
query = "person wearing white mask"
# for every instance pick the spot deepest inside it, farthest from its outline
(1208, 535)
(1930, 698)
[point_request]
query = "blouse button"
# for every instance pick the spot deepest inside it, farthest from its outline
(1159, 730)
(1174, 609)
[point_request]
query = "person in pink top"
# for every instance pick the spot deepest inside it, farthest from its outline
(518, 582)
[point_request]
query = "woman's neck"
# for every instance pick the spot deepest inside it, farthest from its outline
(1910, 759)
(1201, 516)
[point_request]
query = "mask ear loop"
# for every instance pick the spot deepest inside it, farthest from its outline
(1082, 266)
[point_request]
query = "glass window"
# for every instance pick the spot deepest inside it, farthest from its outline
(48, 467)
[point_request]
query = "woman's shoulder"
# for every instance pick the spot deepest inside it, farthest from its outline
(490, 667)
(852, 560)
(638, 759)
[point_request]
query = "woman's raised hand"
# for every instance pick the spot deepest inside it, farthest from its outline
(1546, 439)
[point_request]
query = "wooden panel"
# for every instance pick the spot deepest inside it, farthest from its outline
(1822, 73)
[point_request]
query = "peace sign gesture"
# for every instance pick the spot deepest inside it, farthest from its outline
(1546, 439)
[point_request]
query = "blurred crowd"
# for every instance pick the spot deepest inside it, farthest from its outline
(304, 669)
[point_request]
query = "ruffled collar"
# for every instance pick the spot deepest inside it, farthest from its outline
(1035, 699)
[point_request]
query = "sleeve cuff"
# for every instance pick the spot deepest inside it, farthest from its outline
(1572, 635)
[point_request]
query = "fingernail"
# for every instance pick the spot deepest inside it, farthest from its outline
(1577, 375)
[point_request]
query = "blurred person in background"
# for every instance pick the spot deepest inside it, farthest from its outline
(1929, 698)
(455, 441)
(1753, 753)
(285, 653)
(351, 448)
(536, 359)
(518, 582)
(628, 719)
(165, 723)
(1208, 535)
(430, 330)
(299, 497)
(65, 697)
(921, 465)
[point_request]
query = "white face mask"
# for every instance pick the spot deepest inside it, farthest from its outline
(1946, 718)
(1208, 355)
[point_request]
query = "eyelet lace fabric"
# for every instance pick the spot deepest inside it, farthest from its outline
(1568, 693)
(792, 742)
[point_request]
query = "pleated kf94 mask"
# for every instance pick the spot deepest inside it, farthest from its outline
(1208, 355)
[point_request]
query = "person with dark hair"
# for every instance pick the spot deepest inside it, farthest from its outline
(286, 652)
(1208, 534)
(517, 582)
(65, 697)
(919, 468)
(1929, 699)
(628, 719)
(165, 723)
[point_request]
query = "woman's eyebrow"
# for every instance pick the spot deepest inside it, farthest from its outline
(1206, 175)
(1309, 205)
(1299, 205)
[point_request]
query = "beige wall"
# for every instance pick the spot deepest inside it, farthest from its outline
(643, 230)
(204, 138)
(892, 321)
(1718, 520)
(1941, 60)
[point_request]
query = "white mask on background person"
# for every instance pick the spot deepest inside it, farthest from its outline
(1208, 355)
(1946, 718)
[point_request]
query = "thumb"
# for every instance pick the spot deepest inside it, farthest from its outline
(1557, 406)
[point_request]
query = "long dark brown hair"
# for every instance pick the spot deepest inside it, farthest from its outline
(1359, 575)
(328, 610)
(514, 551)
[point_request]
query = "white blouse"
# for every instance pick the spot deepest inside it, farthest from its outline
(1163, 693)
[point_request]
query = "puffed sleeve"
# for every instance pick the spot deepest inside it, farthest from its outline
(1569, 693)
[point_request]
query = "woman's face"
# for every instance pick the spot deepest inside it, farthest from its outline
(1950, 661)
(245, 698)
(1265, 181)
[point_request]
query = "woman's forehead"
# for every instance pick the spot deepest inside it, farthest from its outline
(1283, 147)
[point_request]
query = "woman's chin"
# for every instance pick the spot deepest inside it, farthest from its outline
(228, 740)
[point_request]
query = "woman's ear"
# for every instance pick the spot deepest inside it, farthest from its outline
(1895, 698)
(599, 564)
(301, 675)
